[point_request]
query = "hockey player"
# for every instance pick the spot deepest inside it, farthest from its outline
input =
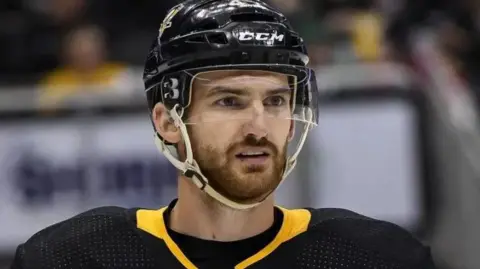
(229, 89)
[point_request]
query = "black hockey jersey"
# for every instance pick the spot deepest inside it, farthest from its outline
(117, 238)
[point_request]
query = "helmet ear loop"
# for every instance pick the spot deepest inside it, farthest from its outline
(177, 121)
(167, 150)
(191, 167)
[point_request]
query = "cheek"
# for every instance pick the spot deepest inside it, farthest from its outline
(216, 135)
(281, 131)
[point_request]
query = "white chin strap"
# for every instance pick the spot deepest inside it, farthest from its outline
(191, 170)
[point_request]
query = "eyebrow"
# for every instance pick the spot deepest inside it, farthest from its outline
(242, 92)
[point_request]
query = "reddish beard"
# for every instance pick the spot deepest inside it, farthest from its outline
(250, 183)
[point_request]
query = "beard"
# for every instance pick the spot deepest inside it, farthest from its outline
(241, 183)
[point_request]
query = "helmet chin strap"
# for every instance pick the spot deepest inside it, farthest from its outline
(191, 170)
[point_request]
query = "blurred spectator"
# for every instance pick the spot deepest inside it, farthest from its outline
(86, 69)
(367, 31)
(33, 34)
(31, 31)
(54, 21)
(350, 30)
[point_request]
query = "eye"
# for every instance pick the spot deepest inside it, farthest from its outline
(275, 100)
(229, 102)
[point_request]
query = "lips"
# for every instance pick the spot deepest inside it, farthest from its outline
(253, 157)
(252, 154)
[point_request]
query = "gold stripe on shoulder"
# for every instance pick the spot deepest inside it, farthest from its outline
(294, 223)
(152, 222)
(299, 220)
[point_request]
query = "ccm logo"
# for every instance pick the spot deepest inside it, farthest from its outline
(248, 36)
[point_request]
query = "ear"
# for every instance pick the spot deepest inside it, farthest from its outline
(291, 132)
(164, 124)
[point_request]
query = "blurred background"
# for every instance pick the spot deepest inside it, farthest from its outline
(398, 137)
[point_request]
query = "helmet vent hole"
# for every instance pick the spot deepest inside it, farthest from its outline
(218, 38)
(196, 39)
(249, 17)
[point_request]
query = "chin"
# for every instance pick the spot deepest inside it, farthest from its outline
(249, 168)
(255, 169)
(254, 180)
(244, 183)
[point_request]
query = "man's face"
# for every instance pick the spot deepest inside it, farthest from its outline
(239, 123)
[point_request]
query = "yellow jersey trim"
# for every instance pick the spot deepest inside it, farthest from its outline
(294, 223)
(152, 222)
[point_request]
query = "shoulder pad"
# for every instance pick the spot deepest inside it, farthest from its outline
(366, 239)
(325, 214)
(97, 217)
(83, 241)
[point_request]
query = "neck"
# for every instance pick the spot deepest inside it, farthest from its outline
(198, 215)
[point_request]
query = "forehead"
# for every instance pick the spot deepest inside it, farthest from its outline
(244, 79)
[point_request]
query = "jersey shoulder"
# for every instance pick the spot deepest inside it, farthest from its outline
(85, 240)
(358, 238)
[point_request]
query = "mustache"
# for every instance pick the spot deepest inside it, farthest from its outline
(252, 141)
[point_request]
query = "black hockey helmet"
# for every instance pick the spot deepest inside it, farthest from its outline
(201, 36)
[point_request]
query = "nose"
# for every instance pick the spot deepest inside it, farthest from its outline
(256, 125)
